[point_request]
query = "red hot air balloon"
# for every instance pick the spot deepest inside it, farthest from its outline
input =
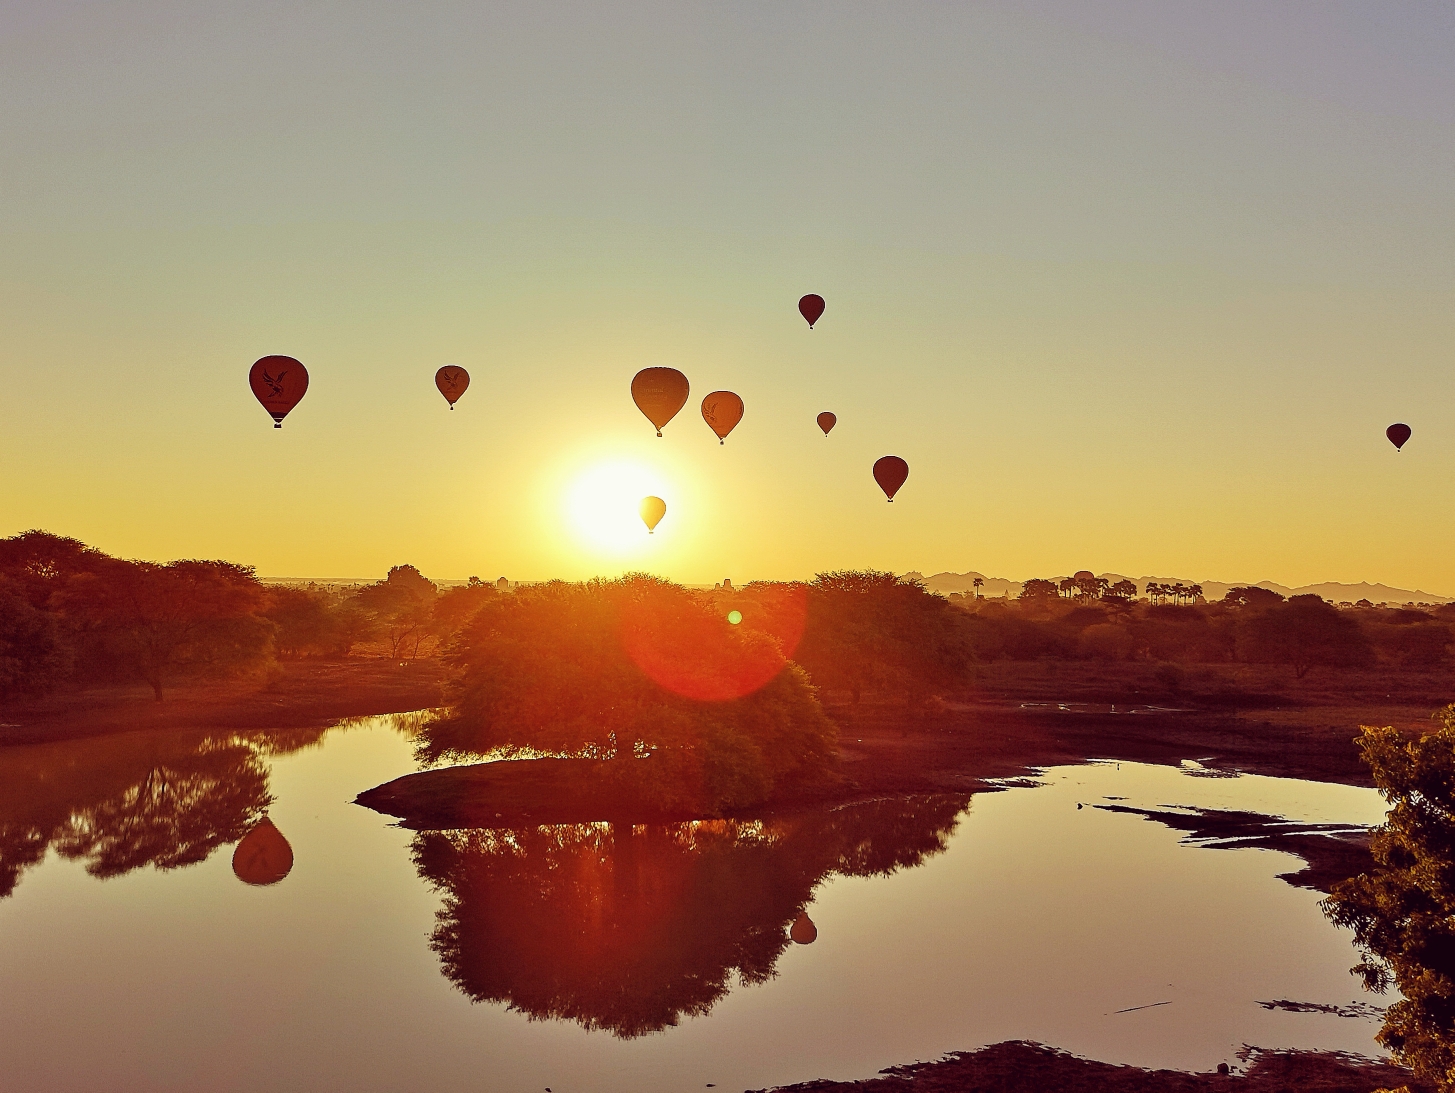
(890, 472)
(826, 422)
(811, 308)
(279, 383)
(659, 393)
(452, 380)
(263, 856)
(1398, 433)
(722, 410)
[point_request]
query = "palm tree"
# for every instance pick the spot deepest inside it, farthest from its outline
(978, 582)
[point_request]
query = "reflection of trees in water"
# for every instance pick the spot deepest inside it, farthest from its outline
(629, 927)
(166, 799)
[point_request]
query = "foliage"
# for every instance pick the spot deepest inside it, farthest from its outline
(1304, 632)
(1403, 912)
(33, 654)
(402, 605)
(629, 669)
(868, 630)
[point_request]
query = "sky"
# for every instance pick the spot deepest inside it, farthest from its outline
(1131, 286)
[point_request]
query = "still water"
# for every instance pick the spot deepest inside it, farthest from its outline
(132, 957)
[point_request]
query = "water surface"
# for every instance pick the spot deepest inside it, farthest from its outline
(1020, 917)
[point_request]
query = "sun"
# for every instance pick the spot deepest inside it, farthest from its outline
(603, 505)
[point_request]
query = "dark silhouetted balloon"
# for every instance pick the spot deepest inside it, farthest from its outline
(826, 422)
(1398, 434)
(722, 410)
(659, 393)
(653, 509)
(452, 380)
(263, 856)
(811, 307)
(890, 472)
(803, 931)
(278, 383)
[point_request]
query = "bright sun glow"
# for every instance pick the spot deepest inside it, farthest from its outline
(603, 504)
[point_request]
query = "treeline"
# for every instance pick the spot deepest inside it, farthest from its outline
(71, 615)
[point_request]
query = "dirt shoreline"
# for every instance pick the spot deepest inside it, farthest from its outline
(1022, 1067)
(293, 695)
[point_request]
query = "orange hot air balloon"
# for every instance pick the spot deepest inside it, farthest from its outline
(279, 383)
(1398, 434)
(722, 410)
(653, 509)
(826, 422)
(811, 308)
(890, 472)
(803, 931)
(452, 380)
(659, 393)
(263, 856)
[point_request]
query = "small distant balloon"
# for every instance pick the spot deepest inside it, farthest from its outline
(803, 931)
(811, 308)
(659, 393)
(722, 410)
(279, 383)
(1398, 434)
(890, 472)
(452, 380)
(826, 422)
(653, 509)
(263, 856)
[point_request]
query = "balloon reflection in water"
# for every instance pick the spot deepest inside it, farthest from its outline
(803, 931)
(263, 856)
(629, 927)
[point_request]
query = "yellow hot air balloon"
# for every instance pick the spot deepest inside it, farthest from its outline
(653, 509)
(722, 410)
(659, 393)
(803, 931)
(263, 856)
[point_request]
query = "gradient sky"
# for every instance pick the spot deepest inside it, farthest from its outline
(1132, 286)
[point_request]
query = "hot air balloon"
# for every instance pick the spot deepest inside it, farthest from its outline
(890, 472)
(452, 380)
(263, 856)
(659, 393)
(653, 509)
(811, 307)
(826, 422)
(1398, 434)
(278, 383)
(803, 931)
(722, 410)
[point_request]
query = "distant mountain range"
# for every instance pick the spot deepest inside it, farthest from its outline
(1212, 590)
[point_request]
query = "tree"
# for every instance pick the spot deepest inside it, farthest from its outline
(303, 619)
(632, 669)
(1124, 590)
(1252, 596)
(979, 583)
(402, 605)
(1403, 911)
(1304, 632)
(34, 656)
(1038, 589)
(152, 622)
(868, 630)
(457, 606)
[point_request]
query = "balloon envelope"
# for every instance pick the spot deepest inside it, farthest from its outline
(263, 856)
(653, 509)
(803, 931)
(452, 380)
(826, 421)
(722, 410)
(659, 393)
(811, 307)
(278, 383)
(890, 472)
(1398, 434)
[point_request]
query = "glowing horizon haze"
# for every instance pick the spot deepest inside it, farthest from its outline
(1131, 286)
